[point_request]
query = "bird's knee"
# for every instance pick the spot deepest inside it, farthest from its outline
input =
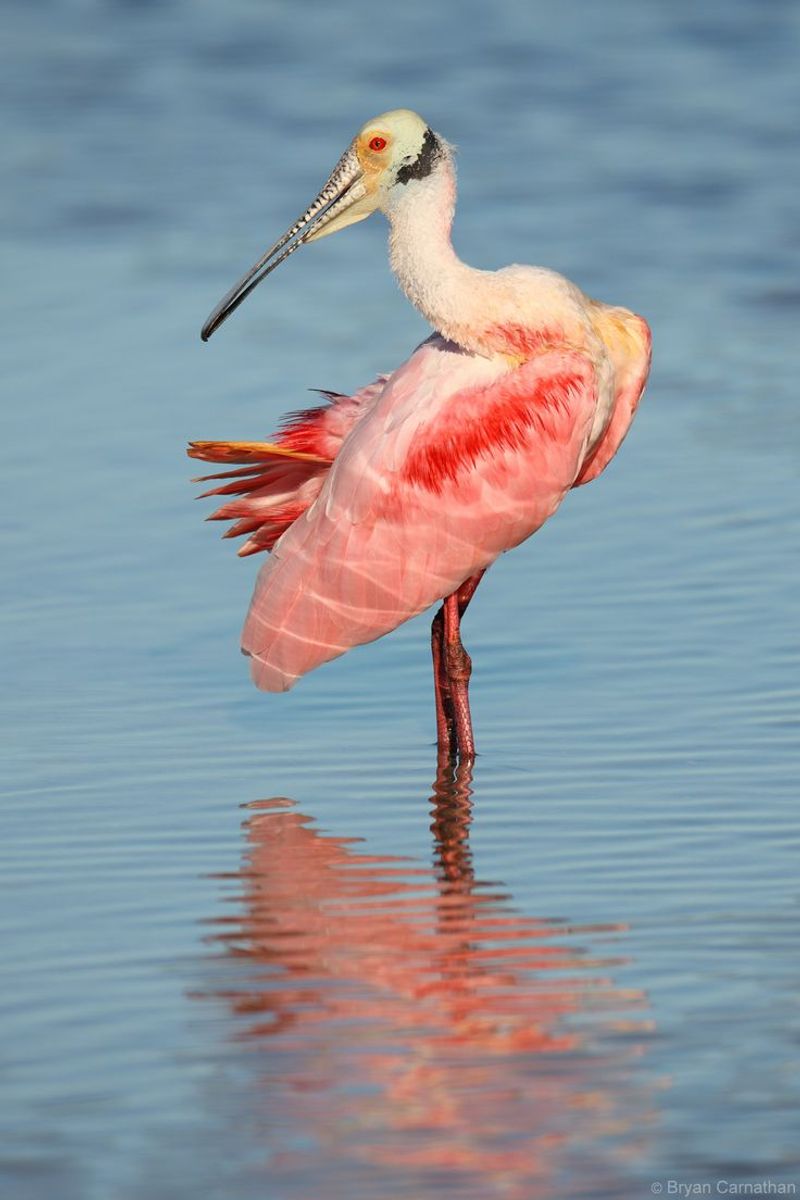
(458, 663)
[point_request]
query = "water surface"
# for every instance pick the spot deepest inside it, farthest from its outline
(259, 946)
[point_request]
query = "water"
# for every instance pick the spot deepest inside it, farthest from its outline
(254, 946)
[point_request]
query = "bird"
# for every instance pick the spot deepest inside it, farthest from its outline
(378, 505)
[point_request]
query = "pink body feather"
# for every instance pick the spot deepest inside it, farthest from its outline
(434, 472)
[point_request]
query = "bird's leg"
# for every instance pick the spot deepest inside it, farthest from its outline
(452, 670)
(445, 722)
(458, 666)
(467, 591)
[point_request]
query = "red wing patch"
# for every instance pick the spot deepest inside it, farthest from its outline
(482, 423)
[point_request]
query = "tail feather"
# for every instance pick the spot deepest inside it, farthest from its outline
(247, 452)
(276, 487)
(273, 478)
(279, 480)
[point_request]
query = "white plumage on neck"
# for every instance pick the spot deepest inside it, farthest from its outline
(445, 290)
(473, 308)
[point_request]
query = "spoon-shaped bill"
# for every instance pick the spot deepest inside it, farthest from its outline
(344, 199)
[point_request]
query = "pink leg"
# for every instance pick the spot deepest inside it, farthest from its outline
(445, 727)
(452, 668)
(458, 665)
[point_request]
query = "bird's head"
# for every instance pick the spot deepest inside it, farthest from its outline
(389, 152)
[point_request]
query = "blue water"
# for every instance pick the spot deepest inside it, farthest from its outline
(252, 946)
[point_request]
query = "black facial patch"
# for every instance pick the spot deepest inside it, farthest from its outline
(425, 161)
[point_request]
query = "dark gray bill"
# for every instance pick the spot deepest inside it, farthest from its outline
(344, 189)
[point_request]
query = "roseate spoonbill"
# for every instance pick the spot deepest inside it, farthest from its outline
(377, 505)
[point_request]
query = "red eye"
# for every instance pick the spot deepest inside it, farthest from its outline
(378, 143)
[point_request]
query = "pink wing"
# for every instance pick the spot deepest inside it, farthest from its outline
(457, 459)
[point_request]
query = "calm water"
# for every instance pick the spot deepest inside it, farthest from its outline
(254, 946)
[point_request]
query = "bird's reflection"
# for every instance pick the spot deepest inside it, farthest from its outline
(411, 1027)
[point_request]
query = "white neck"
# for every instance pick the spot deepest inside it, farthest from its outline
(509, 313)
(445, 290)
